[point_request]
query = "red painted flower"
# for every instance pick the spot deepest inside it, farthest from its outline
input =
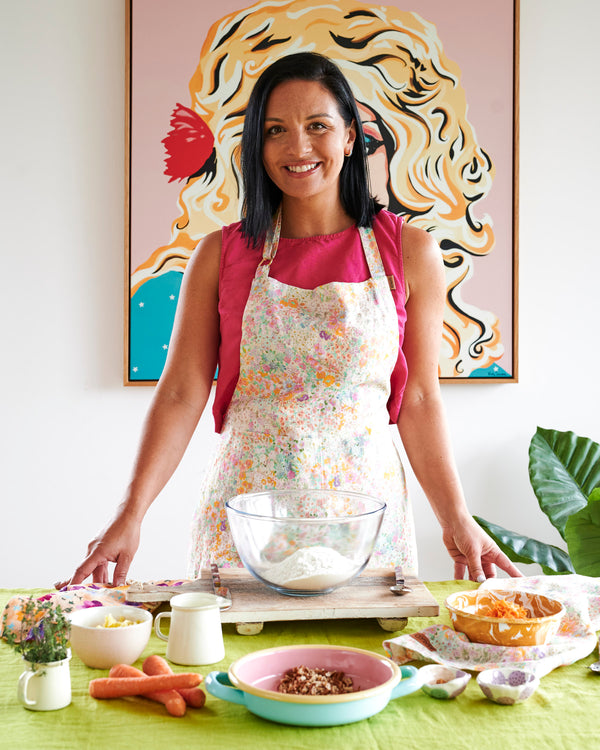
(189, 143)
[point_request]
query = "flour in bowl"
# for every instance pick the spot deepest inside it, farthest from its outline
(312, 569)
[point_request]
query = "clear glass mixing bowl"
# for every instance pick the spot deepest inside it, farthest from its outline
(305, 542)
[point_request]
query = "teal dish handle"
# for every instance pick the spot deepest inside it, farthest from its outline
(219, 685)
(411, 684)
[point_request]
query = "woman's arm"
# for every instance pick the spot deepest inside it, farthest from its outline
(177, 405)
(422, 421)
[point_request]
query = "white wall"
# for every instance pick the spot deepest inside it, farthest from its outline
(69, 427)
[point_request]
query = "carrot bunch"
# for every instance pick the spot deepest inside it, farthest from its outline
(157, 681)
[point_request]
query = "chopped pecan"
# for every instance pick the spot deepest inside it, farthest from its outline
(314, 681)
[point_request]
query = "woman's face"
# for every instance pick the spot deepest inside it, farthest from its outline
(305, 140)
(376, 154)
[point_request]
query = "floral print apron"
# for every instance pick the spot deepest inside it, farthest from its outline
(309, 409)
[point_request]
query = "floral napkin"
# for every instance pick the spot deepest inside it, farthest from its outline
(71, 598)
(575, 638)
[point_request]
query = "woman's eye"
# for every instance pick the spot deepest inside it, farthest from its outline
(372, 144)
(317, 126)
(274, 130)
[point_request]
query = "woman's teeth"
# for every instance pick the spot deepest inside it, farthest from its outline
(301, 168)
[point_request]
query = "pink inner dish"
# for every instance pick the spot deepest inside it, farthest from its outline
(265, 669)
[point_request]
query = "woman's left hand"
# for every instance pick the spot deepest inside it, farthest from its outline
(475, 553)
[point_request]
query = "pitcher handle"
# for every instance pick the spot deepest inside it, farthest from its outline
(157, 629)
(22, 688)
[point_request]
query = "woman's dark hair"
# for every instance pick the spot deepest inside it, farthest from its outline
(261, 196)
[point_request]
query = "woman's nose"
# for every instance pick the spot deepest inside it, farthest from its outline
(299, 143)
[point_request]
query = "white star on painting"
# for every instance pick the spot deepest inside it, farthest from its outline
(134, 369)
(165, 346)
(171, 296)
(141, 304)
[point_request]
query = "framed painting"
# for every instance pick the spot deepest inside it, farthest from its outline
(437, 88)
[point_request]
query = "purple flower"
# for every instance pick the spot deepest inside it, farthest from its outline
(36, 633)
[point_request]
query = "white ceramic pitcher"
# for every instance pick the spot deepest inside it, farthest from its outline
(195, 634)
(45, 687)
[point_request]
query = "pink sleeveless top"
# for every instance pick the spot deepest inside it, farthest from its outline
(307, 263)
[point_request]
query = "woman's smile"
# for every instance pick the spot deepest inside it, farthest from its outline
(302, 168)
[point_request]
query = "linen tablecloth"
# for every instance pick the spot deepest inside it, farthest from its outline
(563, 713)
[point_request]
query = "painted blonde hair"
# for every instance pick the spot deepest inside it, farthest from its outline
(395, 64)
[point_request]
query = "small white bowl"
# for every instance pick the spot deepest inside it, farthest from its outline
(443, 682)
(102, 648)
(507, 685)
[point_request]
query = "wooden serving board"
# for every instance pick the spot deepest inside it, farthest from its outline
(367, 596)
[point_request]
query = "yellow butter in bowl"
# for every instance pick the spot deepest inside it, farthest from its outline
(112, 622)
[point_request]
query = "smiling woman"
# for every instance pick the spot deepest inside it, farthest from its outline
(314, 365)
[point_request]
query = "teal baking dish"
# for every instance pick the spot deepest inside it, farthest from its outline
(252, 682)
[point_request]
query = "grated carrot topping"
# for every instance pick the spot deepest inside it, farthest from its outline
(505, 609)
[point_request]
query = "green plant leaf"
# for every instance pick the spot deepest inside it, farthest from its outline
(523, 549)
(582, 533)
(563, 469)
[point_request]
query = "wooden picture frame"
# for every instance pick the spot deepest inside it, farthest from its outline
(468, 57)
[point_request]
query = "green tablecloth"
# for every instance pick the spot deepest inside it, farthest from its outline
(563, 714)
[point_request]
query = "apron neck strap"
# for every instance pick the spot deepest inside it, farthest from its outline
(367, 239)
(272, 240)
(371, 251)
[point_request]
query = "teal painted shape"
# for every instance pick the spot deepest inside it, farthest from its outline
(493, 371)
(151, 316)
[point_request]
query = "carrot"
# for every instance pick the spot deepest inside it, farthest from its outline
(155, 664)
(173, 702)
(193, 697)
(119, 687)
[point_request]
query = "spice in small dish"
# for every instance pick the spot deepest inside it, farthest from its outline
(442, 682)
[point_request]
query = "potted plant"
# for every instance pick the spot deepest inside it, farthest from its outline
(42, 640)
(564, 471)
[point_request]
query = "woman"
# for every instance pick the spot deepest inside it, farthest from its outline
(342, 306)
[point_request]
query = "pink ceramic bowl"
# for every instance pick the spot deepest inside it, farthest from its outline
(252, 681)
(262, 671)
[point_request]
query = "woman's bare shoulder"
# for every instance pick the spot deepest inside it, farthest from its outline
(209, 247)
(203, 266)
(417, 242)
(422, 257)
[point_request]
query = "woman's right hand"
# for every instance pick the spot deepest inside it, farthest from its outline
(116, 543)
